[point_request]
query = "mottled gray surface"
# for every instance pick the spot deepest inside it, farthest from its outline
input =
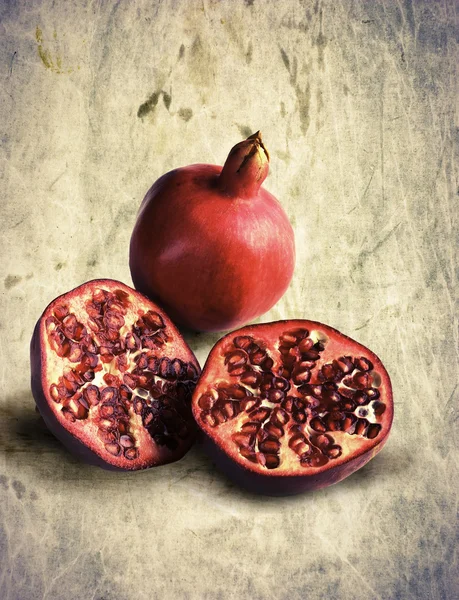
(358, 103)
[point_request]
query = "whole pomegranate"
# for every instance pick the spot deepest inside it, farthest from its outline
(292, 406)
(112, 377)
(212, 246)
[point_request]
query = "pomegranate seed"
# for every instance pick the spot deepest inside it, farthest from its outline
(299, 416)
(237, 358)
(322, 440)
(372, 393)
(379, 408)
(228, 408)
(91, 394)
(272, 461)
(360, 397)
(334, 451)
(249, 403)
(209, 418)
(154, 319)
(68, 414)
(275, 395)
(280, 416)
(113, 449)
(131, 453)
(236, 371)
(61, 311)
(243, 440)
(126, 441)
(248, 454)
(257, 356)
(298, 444)
(106, 410)
(75, 352)
(270, 445)
(363, 364)
(360, 426)
(305, 345)
(345, 364)
(260, 414)
(273, 430)
(311, 355)
(250, 427)
(206, 402)
(54, 392)
(348, 422)
(242, 341)
(288, 340)
(373, 431)
(109, 394)
(362, 380)
(317, 424)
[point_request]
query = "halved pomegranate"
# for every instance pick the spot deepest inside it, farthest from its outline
(112, 377)
(292, 406)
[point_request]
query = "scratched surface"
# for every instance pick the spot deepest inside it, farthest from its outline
(359, 106)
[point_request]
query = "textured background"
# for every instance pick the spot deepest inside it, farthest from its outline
(359, 106)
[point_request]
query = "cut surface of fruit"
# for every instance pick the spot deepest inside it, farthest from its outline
(292, 405)
(113, 378)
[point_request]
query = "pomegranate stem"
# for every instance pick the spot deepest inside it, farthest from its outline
(245, 168)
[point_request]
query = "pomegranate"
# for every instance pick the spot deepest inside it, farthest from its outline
(292, 406)
(112, 377)
(212, 246)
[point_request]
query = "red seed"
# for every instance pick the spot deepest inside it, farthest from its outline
(126, 441)
(91, 394)
(250, 427)
(113, 449)
(333, 451)
(131, 453)
(363, 364)
(243, 439)
(373, 431)
(248, 454)
(260, 414)
(272, 461)
(236, 358)
(242, 341)
(317, 424)
(206, 401)
(305, 345)
(269, 446)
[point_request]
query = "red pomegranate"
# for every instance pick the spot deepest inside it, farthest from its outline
(292, 406)
(112, 377)
(211, 245)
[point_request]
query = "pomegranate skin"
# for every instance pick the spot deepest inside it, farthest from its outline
(210, 245)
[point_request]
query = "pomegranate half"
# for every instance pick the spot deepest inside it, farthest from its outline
(292, 406)
(211, 245)
(112, 377)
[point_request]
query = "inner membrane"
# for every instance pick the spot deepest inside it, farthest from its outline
(115, 372)
(295, 399)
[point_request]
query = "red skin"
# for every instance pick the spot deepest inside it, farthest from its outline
(291, 479)
(210, 245)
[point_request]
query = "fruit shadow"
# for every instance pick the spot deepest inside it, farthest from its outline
(29, 445)
(386, 465)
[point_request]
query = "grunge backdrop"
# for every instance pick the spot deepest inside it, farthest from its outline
(359, 106)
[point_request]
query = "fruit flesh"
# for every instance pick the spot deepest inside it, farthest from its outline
(112, 377)
(292, 405)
